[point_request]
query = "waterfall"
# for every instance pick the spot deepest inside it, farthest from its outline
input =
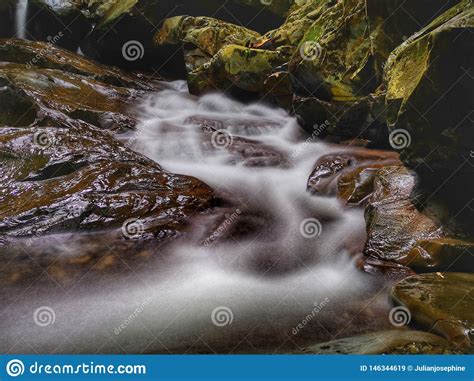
(21, 14)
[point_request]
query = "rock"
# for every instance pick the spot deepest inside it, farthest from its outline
(342, 53)
(48, 56)
(390, 271)
(134, 23)
(51, 97)
(56, 180)
(7, 12)
(349, 174)
(202, 38)
(442, 254)
(394, 342)
(429, 99)
(59, 22)
(363, 118)
(394, 224)
(440, 303)
(238, 70)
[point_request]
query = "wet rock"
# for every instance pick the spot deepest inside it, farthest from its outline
(442, 254)
(53, 97)
(363, 118)
(60, 22)
(440, 303)
(429, 98)
(48, 56)
(395, 342)
(349, 174)
(390, 271)
(76, 180)
(394, 224)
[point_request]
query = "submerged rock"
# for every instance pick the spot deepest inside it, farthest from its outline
(81, 179)
(440, 303)
(429, 97)
(394, 342)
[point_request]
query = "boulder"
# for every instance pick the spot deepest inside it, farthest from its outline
(59, 22)
(394, 342)
(349, 175)
(394, 224)
(440, 303)
(57, 180)
(51, 97)
(124, 34)
(429, 99)
(47, 56)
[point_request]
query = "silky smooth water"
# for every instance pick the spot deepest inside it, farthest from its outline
(20, 18)
(289, 281)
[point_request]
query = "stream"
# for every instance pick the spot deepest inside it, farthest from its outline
(271, 269)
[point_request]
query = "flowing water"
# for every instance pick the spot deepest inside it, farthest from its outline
(275, 275)
(20, 18)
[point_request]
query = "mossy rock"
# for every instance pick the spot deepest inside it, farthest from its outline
(138, 21)
(429, 95)
(440, 303)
